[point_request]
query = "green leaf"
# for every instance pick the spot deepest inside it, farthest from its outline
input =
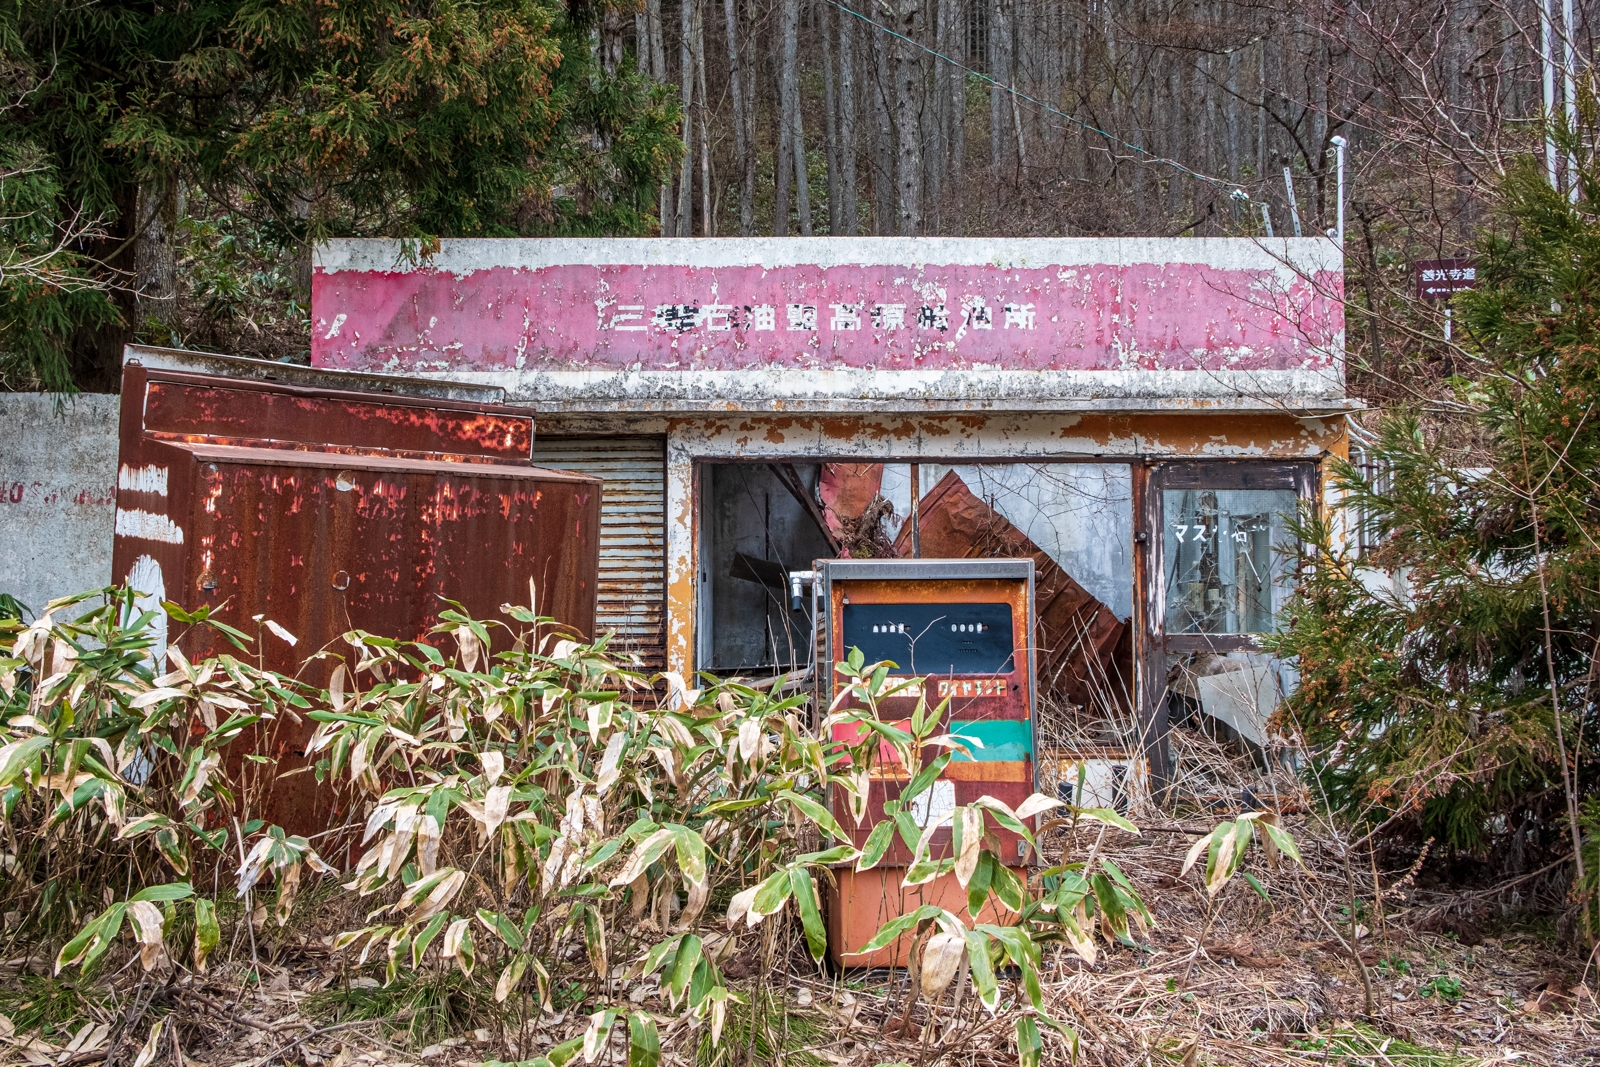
(1256, 885)
(78, 947)
(501, 925)
(924, 778)
(563, 1053)
(206, 931)
(1003, 815)
(982, 879)
(1105, 895)
(420, 944)
(644, 1043)
(659, 952)
(22, 754)
(892, 929)
(1284, 840)
(1030, 1046)
(815, 812)
(170, 891)
(878, 843)
(805, 898)
(1008, 887)
(691, 851)
(772, 893)
(982, 965)
(836, 854)
(688, 958)
(1109, 817)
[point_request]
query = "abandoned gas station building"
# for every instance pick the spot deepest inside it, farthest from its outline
(1140, 416)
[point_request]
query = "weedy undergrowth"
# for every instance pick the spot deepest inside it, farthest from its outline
(530, 810)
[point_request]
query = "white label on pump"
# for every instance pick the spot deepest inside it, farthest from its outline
(938, 801)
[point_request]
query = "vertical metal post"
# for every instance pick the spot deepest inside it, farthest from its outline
(1569, 89)
(1294, 204)
(1547, 56)
(1447, 323)
(1266, 217)
(916, 511)
(1338, 148)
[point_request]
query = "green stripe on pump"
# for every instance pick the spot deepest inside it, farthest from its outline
(1002, 740)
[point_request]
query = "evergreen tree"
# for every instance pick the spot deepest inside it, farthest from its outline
(1447, 707)
(317, 118)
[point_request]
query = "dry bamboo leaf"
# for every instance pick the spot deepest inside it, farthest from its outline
(148, 931)
(941, 957)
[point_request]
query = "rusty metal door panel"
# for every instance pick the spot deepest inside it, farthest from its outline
(633, 535)
(324, 544)
(352, 536)
(200, 408)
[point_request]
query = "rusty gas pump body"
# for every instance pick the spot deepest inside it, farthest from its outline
(966, 627)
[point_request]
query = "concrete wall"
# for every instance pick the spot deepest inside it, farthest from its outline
(58, 494)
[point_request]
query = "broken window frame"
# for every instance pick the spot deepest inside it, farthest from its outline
(1301, 476)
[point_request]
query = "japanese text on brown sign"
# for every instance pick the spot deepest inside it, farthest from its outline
(1440, 279)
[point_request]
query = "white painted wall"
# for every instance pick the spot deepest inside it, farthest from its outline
(58, 479)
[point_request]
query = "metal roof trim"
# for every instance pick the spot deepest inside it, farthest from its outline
(294, 375)
(923, 569)
(462, 256)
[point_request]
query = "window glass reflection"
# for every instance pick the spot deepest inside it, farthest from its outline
(1225, 569)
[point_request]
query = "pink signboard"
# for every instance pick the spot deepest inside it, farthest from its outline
(799, 304)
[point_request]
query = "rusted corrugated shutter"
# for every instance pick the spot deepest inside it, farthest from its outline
(633, 534)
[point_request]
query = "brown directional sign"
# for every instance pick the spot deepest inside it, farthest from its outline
(1440, 279)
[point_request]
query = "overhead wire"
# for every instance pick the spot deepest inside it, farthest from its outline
(1233, 189)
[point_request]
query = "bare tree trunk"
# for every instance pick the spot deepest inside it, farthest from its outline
(880, 88)
(743, 145)
(686, 96)
(944, 38)
(908, 101)
(784, 170)
(155, 260)
(793, 129)
(1261, 108)
(849, 95)
(830, 111)
(708, 224)
(958, 123)
(996, 71)
(658, 70)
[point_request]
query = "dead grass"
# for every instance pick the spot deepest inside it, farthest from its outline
(1271, 985)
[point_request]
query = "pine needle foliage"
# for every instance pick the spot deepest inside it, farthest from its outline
(314, 119)
(1431, 707)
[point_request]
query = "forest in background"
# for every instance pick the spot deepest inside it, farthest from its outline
(1093, 119)
(945, 117)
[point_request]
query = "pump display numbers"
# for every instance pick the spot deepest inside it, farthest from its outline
(932, 639)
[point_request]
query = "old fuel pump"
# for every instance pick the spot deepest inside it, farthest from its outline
(966, 627)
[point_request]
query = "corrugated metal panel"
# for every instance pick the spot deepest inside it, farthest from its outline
(633, 534)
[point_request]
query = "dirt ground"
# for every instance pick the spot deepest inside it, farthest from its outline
(1249, 982)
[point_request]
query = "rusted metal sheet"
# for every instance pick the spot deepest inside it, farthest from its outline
(1078, 636)
(633, 537)
(862, 902)
(322, 542)
(966, 628)
(264, 415)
